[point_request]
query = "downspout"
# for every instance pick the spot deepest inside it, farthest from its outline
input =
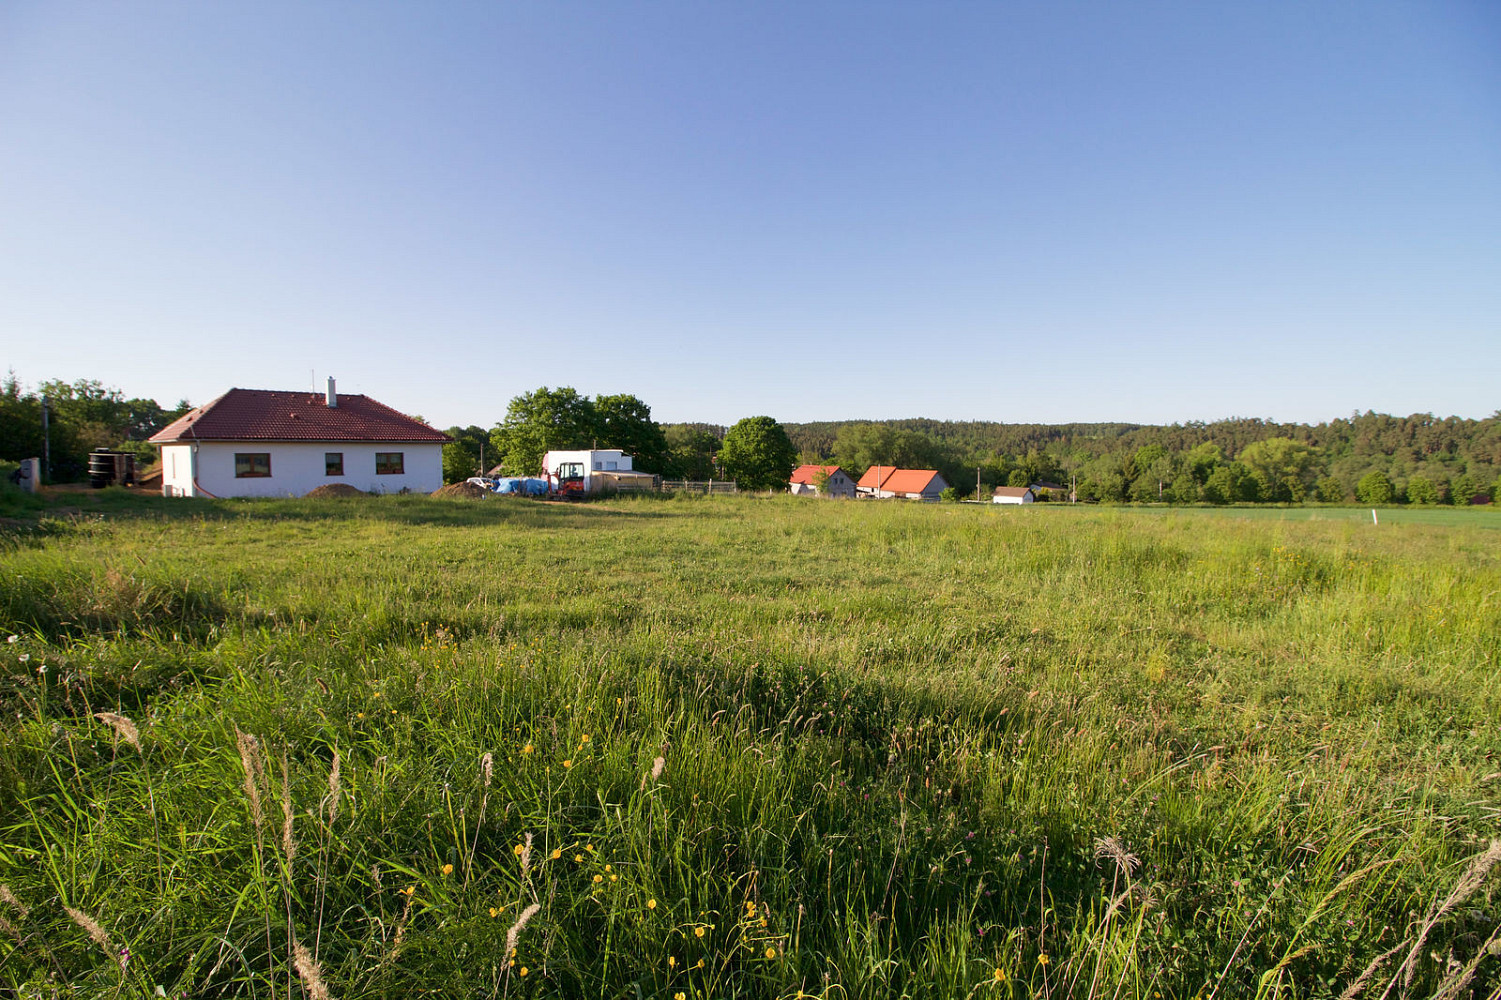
(193, 472)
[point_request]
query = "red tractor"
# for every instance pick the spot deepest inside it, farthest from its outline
(567, 482)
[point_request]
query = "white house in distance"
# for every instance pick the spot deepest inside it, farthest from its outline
(805, 481)
(563, 465)
(269, 443)
(1013, 494)
(884, 482)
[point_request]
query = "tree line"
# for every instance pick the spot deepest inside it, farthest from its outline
(1367, 457)
(82, 416)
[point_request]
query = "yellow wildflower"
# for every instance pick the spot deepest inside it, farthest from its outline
(448, 869)
(579, 858)
(1000, 974)
(518, 849)
(567, 763)
(771, 953)
(698, 932)
(614, 878)
(494, 912)
(651, 904)
(528, 748)
(1042, 959)
(523, 971)
(556, 853)
(680, 995)
(672, 962)
(584, 738)
(607, 867)
(589, 848)
(598, 879)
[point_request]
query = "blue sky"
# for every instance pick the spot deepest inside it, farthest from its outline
(1147, 212)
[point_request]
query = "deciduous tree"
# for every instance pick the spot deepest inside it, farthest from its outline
(758, 455)
(542, 421)
(1375, 487)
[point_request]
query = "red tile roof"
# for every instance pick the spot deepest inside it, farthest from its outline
(273, 415)
(889, 479)
(805, 473)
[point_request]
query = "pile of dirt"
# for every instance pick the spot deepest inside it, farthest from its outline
(465, 491)
(334, 490)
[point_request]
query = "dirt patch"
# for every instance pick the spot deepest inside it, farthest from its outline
(334, 490)
(465, 491)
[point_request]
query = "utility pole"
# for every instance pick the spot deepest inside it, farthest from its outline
(46, 441)
(977, 482)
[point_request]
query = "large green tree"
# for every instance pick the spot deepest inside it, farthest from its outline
(542, 421)
(1287, 468)
(625, 422)
(758, 455)
(564, 419)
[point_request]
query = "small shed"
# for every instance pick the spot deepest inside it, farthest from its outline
(1013, 494)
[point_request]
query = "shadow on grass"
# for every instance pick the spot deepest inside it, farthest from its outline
(25, 514)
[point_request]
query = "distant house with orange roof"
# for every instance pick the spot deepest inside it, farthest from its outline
(885, 481)
(822, 480)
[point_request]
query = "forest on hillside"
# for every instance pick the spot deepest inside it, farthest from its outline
(1371, 457)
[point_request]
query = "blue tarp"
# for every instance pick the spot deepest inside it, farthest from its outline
(523, 487)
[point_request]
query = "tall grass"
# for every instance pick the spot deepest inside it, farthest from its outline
(746, 748)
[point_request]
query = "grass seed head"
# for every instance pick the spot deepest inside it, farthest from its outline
(250, 760)
(123, 727)
(487, 767)
(9, 898)
(1125, 861)
(288, 842)
(309, 971)
(96, 934)
(521, 921)
(334, 789)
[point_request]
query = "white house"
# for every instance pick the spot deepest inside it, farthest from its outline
(1013, 494)
(560, 466)
(836, 482)
(269, 443)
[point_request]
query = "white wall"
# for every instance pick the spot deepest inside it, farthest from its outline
(597, 460)
(295, 468)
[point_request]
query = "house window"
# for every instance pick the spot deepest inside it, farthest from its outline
(252, 465)
(333, 463)
(388, 463)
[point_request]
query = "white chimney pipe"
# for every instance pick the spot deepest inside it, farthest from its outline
(332, 397)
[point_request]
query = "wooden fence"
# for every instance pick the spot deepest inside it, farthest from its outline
(694, 486)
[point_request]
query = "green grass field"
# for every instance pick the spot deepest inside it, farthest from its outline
(747, 747)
